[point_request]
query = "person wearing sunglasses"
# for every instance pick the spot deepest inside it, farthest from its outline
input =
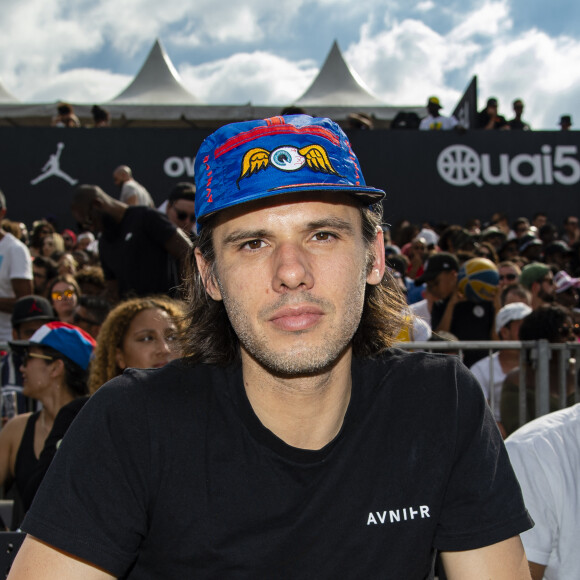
(539, 280)
(55, 364)
(63, 293)
(509, 273)
(180, 207)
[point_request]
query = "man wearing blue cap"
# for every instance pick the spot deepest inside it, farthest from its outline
(290, 442)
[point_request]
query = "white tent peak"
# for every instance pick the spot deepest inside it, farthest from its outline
(337, 84)
(6, 96)
(157, 83)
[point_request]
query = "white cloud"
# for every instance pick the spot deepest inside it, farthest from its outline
(541, 70)
(407, 63)
(258, 77)
(425, 6)
(80, 86)
(487, 21)
(402, 59)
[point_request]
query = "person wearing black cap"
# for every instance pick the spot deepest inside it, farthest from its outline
(452, 312)
(291, 441)
(558, 254)
(29, 314)
(488, 118)
(565, 122)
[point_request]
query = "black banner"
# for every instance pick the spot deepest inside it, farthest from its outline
(466, 110)
(428, 176)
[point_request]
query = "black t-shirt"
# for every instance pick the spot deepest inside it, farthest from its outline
(133, 253)
(169, 474)
(470, 321)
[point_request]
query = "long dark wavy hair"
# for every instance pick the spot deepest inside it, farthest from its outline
(210, 338)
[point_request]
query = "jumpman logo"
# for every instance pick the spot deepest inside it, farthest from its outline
(52, 169)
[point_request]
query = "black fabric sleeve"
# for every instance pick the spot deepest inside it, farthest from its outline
(158, 226)
(483, 503)
(99, 479)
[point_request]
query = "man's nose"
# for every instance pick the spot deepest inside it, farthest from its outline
(292, 268)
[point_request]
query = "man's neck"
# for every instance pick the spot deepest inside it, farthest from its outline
(537, 301)
(306, 411)
(509, 359)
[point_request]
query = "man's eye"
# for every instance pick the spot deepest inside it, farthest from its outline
(253, 245)
(323, 236)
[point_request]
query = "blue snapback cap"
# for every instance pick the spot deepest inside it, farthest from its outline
(242, 162)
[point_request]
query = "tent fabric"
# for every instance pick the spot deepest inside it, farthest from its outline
(6, 96)
(338, 85)
(156, 96)
(158, 82)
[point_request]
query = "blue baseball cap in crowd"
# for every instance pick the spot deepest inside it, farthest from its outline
(243, 162)
(69, 340)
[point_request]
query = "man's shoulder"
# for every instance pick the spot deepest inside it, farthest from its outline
(395, 363)
(482, 365)
(170, 384)
(558, 429)
(9, 241)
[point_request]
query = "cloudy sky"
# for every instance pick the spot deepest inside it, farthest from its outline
(268, 52)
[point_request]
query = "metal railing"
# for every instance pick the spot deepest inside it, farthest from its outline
(536, 353)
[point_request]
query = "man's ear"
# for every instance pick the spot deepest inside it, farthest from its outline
(206, 273)
(377, 270)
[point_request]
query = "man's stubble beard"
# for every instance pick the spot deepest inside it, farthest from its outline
(302, 358)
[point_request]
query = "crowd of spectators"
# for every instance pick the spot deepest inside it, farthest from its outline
(117, 276)
(537, 263)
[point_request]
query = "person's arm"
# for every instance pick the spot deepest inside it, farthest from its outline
(178, 246)
(505, 560)
(40, 561)
(10, 438)
(447, 318)
(131, 200)
(21, 287)
(537, 570)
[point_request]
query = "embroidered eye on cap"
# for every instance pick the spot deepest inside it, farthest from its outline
(252, 160)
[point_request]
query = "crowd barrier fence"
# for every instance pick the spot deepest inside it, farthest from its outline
(536, 353)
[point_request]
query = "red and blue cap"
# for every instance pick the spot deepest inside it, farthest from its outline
(69, 340)
(243, 162)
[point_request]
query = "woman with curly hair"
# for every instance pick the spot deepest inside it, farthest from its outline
(138, 333)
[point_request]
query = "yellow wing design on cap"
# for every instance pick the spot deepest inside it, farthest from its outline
(254, 160)
(317, 159)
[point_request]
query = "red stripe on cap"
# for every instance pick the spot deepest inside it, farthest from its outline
(275, 121)
(284, 129)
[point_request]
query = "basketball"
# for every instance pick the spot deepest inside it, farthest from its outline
(477, 279)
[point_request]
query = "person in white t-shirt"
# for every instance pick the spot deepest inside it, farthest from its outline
(434, 121)
(545, 455)
(132, 192)
(492, 370)
(15, 274)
